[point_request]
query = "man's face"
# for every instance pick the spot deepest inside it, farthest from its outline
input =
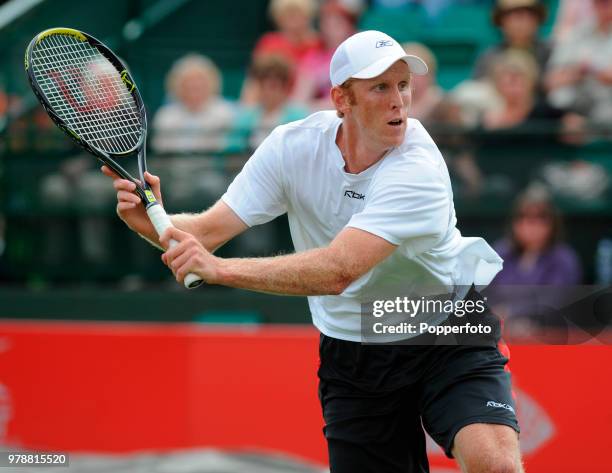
(380, 107)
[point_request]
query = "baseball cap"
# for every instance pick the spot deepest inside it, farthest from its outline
(368, 54)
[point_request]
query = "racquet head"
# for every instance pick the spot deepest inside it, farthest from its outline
(89, 93)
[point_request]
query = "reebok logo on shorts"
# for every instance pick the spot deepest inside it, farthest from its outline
(499, 404)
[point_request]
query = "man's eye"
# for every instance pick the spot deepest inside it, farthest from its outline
(403, 85)
(381, 87)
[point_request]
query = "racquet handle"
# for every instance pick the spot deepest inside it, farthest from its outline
(161, 222)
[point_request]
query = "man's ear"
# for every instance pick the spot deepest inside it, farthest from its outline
(340, 100)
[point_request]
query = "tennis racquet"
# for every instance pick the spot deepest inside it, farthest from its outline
(91, 96)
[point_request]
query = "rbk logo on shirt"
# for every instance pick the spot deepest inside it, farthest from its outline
(354, 195)
(384, 42)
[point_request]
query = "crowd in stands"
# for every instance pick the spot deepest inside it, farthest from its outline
(560, 83)
(563, 81)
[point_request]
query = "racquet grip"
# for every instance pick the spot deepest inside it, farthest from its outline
(160, 220)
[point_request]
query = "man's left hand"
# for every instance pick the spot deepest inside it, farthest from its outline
(188, 256)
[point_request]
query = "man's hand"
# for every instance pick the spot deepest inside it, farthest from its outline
(129, 205)
(188, 256)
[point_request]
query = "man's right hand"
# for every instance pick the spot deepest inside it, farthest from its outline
(129, 205)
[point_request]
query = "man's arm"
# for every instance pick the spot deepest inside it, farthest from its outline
(212, 228)
(319, 271)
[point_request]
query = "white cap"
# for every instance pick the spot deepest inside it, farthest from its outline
(368, 54)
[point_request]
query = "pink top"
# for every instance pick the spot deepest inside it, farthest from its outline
(276, 43)
(315, 66)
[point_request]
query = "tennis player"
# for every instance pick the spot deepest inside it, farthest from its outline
(369, 201)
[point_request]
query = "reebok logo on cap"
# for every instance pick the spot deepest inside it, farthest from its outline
(383, 43)
(368, 54)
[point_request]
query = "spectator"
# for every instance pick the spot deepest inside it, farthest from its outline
(519, 21)
(580, 72)
(313, 86)
(295, 36)
(428, 102)
(197, 118)
(443, 117)
(534, 256)
(272, 77)
(571, 14)
(534, 252)
(515, 76)
(294, 39)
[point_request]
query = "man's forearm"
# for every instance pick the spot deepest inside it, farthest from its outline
(213, 227)
(312, 272)
(192, 223)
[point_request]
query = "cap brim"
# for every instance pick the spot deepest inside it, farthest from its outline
(416, 64)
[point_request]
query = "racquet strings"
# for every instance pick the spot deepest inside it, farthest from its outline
(87, 92)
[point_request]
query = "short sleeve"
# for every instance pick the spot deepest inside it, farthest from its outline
(407, 208)
(257, 194)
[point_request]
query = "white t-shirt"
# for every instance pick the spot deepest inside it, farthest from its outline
(405, 198)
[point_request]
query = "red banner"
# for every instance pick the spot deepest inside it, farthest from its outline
(121, 387)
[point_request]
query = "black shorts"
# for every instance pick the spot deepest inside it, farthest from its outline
(377, 399)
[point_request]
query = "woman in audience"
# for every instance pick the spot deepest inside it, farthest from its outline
(515, 76)
(295, 36)
(535, 258)
(294, 39)
(197, 117)
(534, 252)
(336, 23)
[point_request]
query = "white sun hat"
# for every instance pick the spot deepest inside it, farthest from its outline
(368, 54)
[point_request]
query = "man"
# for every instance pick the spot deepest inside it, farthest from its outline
(369, 201)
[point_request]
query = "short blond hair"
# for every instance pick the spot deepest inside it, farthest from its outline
(277, 7)
(516, 60)
(188, 63)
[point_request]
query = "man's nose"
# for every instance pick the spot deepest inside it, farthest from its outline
(396, 99)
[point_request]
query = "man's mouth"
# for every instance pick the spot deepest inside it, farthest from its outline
(396, 122)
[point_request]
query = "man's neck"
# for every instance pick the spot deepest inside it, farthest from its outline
(357, 155)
